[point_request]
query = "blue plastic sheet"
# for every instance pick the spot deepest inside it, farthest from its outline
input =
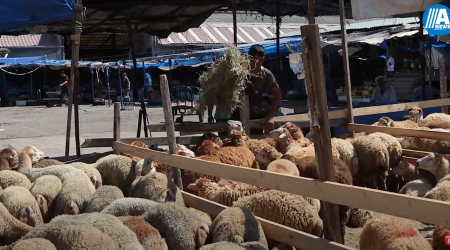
(21, 60)
(18, 14)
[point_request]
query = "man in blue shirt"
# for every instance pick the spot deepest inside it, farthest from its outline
(147, 85)
(383, 93)
(430, 92)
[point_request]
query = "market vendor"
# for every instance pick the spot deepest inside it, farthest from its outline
(430, 92)
(383, 93)
(263, 91)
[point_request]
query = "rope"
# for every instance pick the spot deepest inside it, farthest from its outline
(19, 74)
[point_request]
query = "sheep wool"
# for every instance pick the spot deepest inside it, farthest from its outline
(46, 163)
(418, 188)
(283, 166)
(181, 228)
(9, 158)
(438, 241)
(103, 197)
(425, 144)
(388, 122)
(117, 170)
(45, 189)
(435, 164)
(93, 174)
(129, 207)
(34, 244)
(393, 146)
(284, 208)
(358, 217)
(16, 199)
(147, 235)
(224, 194)
(12, 178)
(204, 216)
(12, 229)
(75, 195)
(28, 156)
(238, 225)
(436, 117)
(391, 233)
(234, 246)
(266, 155)
(441, 191)
(347, 153)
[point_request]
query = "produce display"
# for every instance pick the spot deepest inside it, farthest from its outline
(357, 92)
(410, 65)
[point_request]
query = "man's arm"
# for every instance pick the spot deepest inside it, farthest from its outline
(393, 97)
(374, 95)
(275, 104)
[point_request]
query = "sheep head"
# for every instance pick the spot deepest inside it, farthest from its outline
(236, 138)
(210, 136)
(402, 168)
(385, 122)
(235, 125)
(11, 155)
(294, 130)
(199, 185)
(415, 114)
(34, 153)
(184, 151)
(432, 163)
(408, 142)
(281, 134)
(266, 155)
(208, 147)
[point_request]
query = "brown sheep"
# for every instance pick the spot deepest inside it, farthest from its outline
(147, 235)
(388, 122)
(267, 155)
(9, 158)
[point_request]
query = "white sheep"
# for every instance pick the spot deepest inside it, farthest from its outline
(12, 178)
(129, 207)
(238, 225)
(102, 197)
(28, 156)
(284, 208)
(16, 199)
(12, 229)
(416, 184)
(233, 246)
(45, 189)
(425, 144)
(387, 232)
(93, 174)
(283, 166)
(388, 122)
(347, 153)
(33, 244)
(436, 117)
(9, 158)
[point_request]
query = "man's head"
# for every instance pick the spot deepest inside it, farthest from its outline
(62, 73)
(124, 74)
(258, 54)
(381, 83)
(417, 82)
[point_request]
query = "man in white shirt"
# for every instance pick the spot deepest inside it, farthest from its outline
(383, 93)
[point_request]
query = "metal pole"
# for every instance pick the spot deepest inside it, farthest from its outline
(107, 84)
(234, 23)
(277, 57)
(31, 86)
(92, 84)
(422, 57)
(119, 70)
(144, 90)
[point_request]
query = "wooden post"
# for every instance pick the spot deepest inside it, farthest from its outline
(348, 83)
(312, 11)
(245, 114)
(76, 113)
(443, 81)
(422, 57)
(315, 85)
(73, 70)
(164, 85)
(116, 132)
(234, 23)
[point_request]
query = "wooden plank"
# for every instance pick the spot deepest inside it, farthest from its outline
(411, 160)
(320, 124)
(379, 201)
(157, 141)
(90, 159)
(245, 114)
(116, 128)
(437, 135)
(272, 230)
(348, 136)
(420, 154)
(168, 118)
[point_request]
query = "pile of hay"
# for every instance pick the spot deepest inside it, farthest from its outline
(224, 82)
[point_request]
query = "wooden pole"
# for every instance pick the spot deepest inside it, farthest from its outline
(315, 86)
(234, 23)
(116, 132)
(76, 113)
(245, 114)
(422, 57)
(312, 11)
(348, 83)
(164, 85)
(443, 82)
(133, 56)
(75, 38)
(277, 57)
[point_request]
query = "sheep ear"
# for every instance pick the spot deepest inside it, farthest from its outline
(201, 237)
(282, 136)
(380, 159)
(71, 208)
(27, 217)
(193, 187)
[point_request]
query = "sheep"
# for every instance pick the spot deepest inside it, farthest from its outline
(238, 225)
(425, 144)
(415, 114)
(234, 246)
(373, 159)
(438, 238)
(93, 174)
(358, 217)
(388, 122)
(347, 153)
(46, 163)
(12, 178)
(393, 146)
(416, 184)
(156, 187)
(436, 164)
(284, 208)
(103, 197)
(33, 244)
(181, 228)
(204, 216)
(45, 189)
(418, 188)
(283, 166)
(209, 136)
(285, 140)
(16, 199)
(224, 194)
(9, 158)
(129, 207)
(267, 155)
(147, 235)
(237, 156)
(297, 134)
(28, 156)
(436, 117)
(12, 229)
(388, 232)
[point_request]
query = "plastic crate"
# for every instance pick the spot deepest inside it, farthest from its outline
(128, 106)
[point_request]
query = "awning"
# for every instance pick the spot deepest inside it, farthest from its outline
(366, 9)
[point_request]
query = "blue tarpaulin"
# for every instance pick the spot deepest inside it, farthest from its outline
(21, 60)
(43, 61)
(18, 14)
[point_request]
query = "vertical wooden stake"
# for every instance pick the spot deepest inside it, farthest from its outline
(315, 85)
(234, 23)
(312, 11)
(245, 114)
(164, 85)
(73, 70)
(348, 83)
(116, 131)
(443, 80)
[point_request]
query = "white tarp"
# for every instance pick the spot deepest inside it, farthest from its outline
(366, 9)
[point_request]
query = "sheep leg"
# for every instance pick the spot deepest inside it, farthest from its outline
(381, 181)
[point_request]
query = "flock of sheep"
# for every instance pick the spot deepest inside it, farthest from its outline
(124, 202)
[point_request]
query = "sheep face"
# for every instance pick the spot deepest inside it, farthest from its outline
(402, 168)
(416, 114)
(235, 125)
(148, 167)
(385, 122)
(11, 155)
(34, 153)
(236, 138)
(408, 142)
(431, 162)
(266, 155)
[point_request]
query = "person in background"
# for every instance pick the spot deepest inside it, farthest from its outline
(127, 86)
(148, 85)
(430, 92)
(264, 93)
(383, 93)
(64, 87)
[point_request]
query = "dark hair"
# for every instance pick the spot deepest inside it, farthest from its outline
(257, 50)
(62, 72)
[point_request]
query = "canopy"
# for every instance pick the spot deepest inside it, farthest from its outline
(21, 60)
(19, 14)
(39, 61)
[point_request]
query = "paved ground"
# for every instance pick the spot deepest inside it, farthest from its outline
(45, 127)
